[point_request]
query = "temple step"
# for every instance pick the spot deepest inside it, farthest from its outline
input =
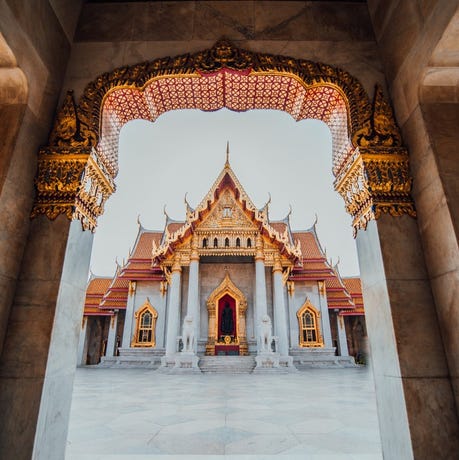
(227, 364)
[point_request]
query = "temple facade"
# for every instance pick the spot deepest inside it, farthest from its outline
(225, 281)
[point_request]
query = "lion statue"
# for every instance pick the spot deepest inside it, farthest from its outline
(188, 334)
(265, 335)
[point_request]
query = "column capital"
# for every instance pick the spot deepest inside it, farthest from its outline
(277, 267)
(259, 245)
(176, 266)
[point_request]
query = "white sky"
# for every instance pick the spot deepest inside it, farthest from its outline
(184, 151)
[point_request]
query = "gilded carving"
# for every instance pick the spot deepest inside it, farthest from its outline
(377, 183)
(69, 129)
(380, 128)
(71, 183)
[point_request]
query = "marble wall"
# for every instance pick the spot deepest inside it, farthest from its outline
(150, 290)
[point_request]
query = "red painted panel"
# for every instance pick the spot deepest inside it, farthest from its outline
(227, 316)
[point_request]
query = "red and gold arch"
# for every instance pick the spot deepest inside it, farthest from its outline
(77, 167)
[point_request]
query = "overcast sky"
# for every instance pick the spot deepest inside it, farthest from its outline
(184, 151)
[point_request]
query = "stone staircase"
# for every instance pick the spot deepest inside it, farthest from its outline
(310, 358)
(227, 364)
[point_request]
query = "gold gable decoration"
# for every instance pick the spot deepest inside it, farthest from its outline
(226, 222)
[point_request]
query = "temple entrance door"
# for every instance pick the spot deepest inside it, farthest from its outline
(228, 343)
(227, 307)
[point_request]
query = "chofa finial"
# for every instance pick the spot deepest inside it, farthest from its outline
(227, 155)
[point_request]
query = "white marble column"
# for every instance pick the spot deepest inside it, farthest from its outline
(326, 330)
(83, 342)
(192, 309)
(110, 351)
(342, 339)
(261, 307)
(280, 316)
(127, 331)
(174, 309)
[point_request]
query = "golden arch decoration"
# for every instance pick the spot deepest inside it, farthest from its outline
(227, 287)
(145, 331)
(308, 326)
(77, 167)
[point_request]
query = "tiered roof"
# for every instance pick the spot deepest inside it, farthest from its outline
(97, 287)
(303, 248)
(354, 287)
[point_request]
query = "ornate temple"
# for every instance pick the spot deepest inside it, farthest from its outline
(225, 281)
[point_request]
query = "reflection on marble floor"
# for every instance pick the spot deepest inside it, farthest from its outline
(318, 414)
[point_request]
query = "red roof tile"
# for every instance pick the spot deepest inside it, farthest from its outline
(309, 245)
(144, 246)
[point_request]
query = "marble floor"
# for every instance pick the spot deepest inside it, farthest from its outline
(134, 414)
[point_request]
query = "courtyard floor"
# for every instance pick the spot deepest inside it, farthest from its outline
(133, 414)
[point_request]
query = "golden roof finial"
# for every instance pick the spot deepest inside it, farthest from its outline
(227, 164)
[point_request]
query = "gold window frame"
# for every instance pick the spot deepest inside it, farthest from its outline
(309, 308)
(145, 308)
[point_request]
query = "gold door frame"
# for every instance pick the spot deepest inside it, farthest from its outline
(227, 287)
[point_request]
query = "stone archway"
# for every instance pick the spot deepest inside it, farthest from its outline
(77, 168)
(367, 148)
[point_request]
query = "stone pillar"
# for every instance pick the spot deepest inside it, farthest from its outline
(127, 331)
(110, 350)
(193, 292)
(83, 342)
(280, 316)
(416, 409)
(261, 307)
(325, 317)
(342, 339)
(174, 309)
(36, 390)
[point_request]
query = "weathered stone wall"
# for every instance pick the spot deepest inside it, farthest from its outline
(113, 35)
(39, 40)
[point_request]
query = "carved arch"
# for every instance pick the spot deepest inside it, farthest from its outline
(370, 163)
(309, 326)
(145, 330)
(226, 287)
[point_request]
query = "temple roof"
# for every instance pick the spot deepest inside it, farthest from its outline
(176, 232)
(97, 287)
(338, 296)
(354, 287)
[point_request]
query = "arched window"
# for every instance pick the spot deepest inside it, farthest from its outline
(308, 325)
(215, 243)
(238, 242)
(249, 243)
(145, 328)
(204, 243)
(226, 242)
